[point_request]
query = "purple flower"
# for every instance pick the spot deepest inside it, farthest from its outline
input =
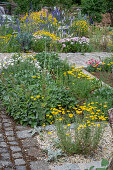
(63, 45)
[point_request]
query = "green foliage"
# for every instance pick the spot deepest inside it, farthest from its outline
(25, 5)
(39, 45)
(17, 86)
(24, 41)
(103, 96)
(85, 140)
(94, 8)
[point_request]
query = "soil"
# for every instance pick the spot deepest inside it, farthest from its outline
(106, 77)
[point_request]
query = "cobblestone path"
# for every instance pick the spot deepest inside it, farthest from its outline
(18, 150)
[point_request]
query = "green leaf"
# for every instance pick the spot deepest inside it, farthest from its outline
(91, 167)
(104, 162)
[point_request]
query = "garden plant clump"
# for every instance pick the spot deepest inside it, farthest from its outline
(103, 69)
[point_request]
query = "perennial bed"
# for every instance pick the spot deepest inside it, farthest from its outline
(47, 143)
(42, 90)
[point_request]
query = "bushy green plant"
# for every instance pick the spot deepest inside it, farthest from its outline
(29, 95)
(94, 9)
(85, 140)
(24, 41)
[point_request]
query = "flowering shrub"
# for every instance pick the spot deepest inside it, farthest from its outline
(92, 65)
(104, 65)
(74, 44)
(40, 19)
(87, 133)
(39, 34)
(80, 28)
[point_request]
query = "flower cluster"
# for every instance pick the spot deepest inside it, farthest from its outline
(39, 34)
(92, 64)
(78, 73)
(80, 27)
(90, 111)
(41, 17)
(75, 39)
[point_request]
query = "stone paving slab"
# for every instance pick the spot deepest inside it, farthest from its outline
(80, 59)
(66, 166)
(96, 164)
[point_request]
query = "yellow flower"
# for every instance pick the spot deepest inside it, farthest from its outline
(70, 115)
(81, 125)
(43, 124)
(65, 127)
(78, 112)
(64, 73)
(60, 118)
(32, 97)
(49, 133)
(38, 96)
(67, 134)
(33, 76)
(68, 124)
(105, 106)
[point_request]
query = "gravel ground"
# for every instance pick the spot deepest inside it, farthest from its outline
(104, 149)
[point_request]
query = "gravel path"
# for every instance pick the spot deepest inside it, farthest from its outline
(20, 151)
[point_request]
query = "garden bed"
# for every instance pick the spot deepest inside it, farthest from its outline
(104, 149)
(41, 89)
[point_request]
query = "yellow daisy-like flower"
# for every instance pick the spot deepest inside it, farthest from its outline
(38, 96)
(67, 134)
(70, 115)
(34, 99)
(105, 106)
(68, 124)
(33, 76)
(49, 133)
